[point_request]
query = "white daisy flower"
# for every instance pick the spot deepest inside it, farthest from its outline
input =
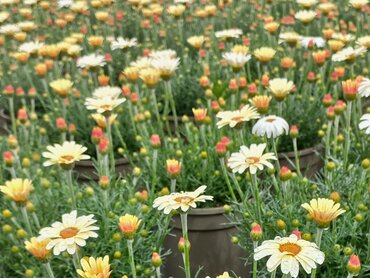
(107, 91)
(123, 43)
(307, 3)
(289, 37)
(251, 158)
(65, 3)
(365, 123)
(91, 61)
(160, 54)
(348, 54)
(69, 234)
(270, 126)
(30, 47)
(9, 29)
(142, 63)
(65, 155)
(305, 16)
(289, 253)
(364, 88)
(103, 105)
(236, 60)
(233, 118)
(183, 200)
(166, 65)
(316, 41)
(3, 16)
(229, 33)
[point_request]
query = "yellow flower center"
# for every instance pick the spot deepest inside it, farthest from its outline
(67, 157)
(237, 119)
(68, 232)
(252, 160)
(184, 200)
(290, 248)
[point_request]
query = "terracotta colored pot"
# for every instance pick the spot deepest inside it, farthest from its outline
(210, 237)
(309, 159)
(86, 171)
(5, 123)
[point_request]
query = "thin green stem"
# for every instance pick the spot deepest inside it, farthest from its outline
(184, 225)
(173, 185)
(154, 169)
(255, 245)
(49, 270)
(296, 157)
(131, 257)
(273, 274)
(71, 188)
(348, 132)
(224, 171)
(275, 151)
(111, 149)
(257, 197)
(26, 218)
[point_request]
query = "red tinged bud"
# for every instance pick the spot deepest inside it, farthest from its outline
(327, 100)
(221, 149)
(19, 92)
(215, 106)
(104, 145)
(354, 265)
(61, 124)
(96, 134)
(285, 173)
(155, 141)
(339, 107)
(8, 90)
(156, 259)
(8, 158)
(330, 113)
(104, 182)
(256, 232)
(22, 115)
(181, 245)
(297, 234)
(294, 132)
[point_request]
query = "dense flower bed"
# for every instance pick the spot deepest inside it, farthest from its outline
(119, 117)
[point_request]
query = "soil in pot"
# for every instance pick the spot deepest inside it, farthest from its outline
(310, 160)
(211, 247)
(86, 171)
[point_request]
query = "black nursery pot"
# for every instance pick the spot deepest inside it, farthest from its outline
(310, 160)
(211, 247)
(86, 171)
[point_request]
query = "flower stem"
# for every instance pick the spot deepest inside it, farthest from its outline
(348, 131)
(26, 218)
(184, 225)
(158, 272)
(131, 256)
(111, 149)
(173, 185)
(273, 274)
(276, 153)
(256, 195)
(70, 184)
(255, 244)
(297, 166)
(155, 105)
(318, 243)
(154, 169)
(49, 270)
(173, 106)
(76, 260)
(222, 162)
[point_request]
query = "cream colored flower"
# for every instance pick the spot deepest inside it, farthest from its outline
(160, 54)
(346, 38)
(61, 86)
(237, 117)
(289, 253)
(38, 248)
(264, 54)
(323, 211)
(69, 234)
(183, 200)
(364, 41)
(291, 38)
(103, 105)
(101, 121)
(95, 268)
(307, 3)
(358, 4)
(251, 158)
(224, 275)
(30, 47)
(64, 155)
(305, 16)
(196, 41)
(280, 88)
(228, 34)
(17, 190)
(107, 91)
(270, 126)
(348, 54)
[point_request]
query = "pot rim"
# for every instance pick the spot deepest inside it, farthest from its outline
(207, 211)
(89, 163)
(304, 152)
